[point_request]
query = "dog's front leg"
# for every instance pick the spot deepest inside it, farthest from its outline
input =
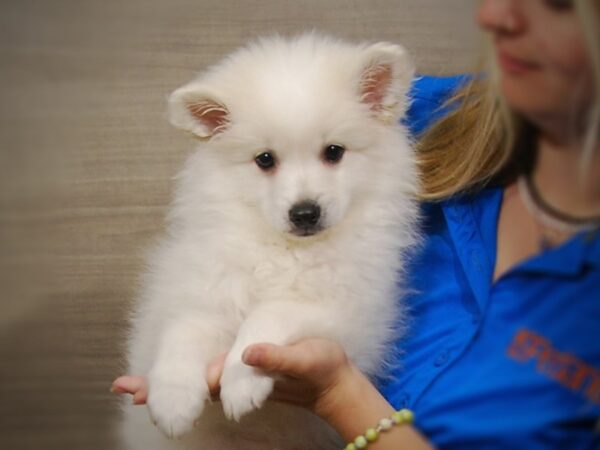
(177, 386)
(244, 388)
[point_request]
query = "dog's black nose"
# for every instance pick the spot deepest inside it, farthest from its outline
(305, 214)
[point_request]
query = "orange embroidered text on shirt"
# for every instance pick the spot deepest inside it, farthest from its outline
(568, 370)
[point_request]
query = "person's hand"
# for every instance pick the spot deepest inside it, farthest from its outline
(307, 373)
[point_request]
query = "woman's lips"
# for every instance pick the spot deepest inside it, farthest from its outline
(515, 66)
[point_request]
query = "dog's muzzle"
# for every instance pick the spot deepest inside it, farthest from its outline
(305, 218)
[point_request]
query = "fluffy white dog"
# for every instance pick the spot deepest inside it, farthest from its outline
(289, 221)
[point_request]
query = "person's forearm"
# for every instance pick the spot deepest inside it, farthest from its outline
(354, 405)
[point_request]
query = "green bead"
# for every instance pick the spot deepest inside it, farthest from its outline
(350, 446)
(371, 434)
(397, 417)
(407, 415)
(361, 442)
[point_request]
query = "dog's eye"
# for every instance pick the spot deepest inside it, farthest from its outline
(265, 160)
(333, 153)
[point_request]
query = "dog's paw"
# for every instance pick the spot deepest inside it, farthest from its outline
(174, 407)
(243, 389)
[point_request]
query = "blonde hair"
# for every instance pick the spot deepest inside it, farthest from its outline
(483, 141)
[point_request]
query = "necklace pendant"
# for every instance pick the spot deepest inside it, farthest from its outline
(544, 243)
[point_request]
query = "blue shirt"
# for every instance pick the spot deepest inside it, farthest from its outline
(510, 364)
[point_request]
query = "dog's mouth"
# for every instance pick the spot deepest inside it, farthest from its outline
(306, 231)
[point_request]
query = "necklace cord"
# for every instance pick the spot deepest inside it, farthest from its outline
(567, 219)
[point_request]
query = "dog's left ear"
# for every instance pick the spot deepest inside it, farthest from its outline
(385, 80)
(196, 109)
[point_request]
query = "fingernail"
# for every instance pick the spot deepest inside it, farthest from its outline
(252, 355)
(249, 356)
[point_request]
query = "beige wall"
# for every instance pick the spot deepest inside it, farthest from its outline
(86, 160)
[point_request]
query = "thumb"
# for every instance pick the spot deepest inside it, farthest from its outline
(286, 360)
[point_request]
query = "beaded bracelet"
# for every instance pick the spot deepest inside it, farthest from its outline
(399, 417)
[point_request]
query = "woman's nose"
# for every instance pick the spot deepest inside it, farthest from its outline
(501, 16)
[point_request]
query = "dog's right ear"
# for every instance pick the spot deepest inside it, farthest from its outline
(195, 109)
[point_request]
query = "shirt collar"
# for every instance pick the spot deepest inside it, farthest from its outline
(568, 259)
(473, 223)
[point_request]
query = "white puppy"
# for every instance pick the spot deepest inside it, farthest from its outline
(290, 220)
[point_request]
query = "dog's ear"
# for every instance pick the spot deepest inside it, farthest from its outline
(385, 79)
(195, 109)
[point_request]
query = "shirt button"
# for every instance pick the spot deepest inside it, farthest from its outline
(476, 260)
(442, 358)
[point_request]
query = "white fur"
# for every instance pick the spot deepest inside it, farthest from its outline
(230, 273)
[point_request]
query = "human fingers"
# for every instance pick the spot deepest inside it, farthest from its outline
(309, 357)
(213, 375)
(134, 385)
(304, 372)
(273, 358)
